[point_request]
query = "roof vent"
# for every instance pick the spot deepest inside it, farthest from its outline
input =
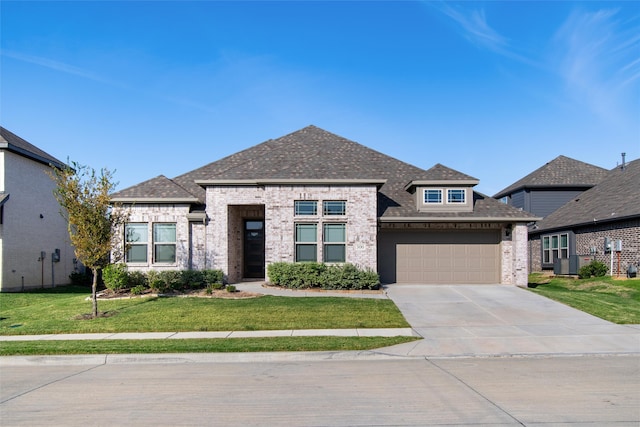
(624, 164)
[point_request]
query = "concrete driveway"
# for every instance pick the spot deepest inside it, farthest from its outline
(499, 320)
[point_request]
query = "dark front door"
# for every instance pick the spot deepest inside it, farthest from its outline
(254, 249)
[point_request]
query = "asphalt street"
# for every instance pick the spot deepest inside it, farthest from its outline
(531, 391)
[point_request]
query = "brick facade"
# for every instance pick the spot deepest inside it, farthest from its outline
(593, 236)
(227, 206)
(514, 262)
(166, 213)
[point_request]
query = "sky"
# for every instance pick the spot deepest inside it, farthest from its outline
(491, 89)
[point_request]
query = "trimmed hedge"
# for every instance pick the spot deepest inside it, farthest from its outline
(116, 277)
(303, 275)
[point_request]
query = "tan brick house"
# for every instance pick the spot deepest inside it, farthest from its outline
(315, 196)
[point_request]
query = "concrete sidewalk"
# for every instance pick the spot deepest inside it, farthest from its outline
(454, 321)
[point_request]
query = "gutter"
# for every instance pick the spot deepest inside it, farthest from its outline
(457, 219)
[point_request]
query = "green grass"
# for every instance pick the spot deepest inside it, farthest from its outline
(10, 348)
(54, 311)
(617, 301)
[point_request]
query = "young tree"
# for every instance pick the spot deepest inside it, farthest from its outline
(85, 198)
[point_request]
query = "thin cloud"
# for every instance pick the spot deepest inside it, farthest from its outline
(55, 65)
(597, 57)
(85, 74)
(476, 29)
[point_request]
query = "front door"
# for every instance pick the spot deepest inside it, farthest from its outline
(254, 249)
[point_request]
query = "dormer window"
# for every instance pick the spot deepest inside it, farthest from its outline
(432, 196)
(456, 196)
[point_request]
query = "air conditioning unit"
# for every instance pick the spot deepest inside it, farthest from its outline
(576, 262)
(561, 266)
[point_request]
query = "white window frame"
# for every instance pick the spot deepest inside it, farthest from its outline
(437, 191)
(453, 201)
(298, 204)
(553, 247)
(300, 243)
(338, 243)
(130, 243)
(157, 243)
(328, 207)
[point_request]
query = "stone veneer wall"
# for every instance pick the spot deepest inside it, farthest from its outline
(515, 256)
(278, 204)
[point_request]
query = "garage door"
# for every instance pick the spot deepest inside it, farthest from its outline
(443, 257)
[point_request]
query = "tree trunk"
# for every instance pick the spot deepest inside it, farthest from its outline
(94, 289)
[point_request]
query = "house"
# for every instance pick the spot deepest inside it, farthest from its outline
(602, 223)
(551, 186)
(316, 196)
(35, 249)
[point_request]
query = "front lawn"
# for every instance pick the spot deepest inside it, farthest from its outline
(615, 300)
(55, 311)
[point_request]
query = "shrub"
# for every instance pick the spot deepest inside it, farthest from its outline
(138, 290)
(318, 275)
(215, 286)
(231, 288)
(137, 279)
(193, 279)
(115, 277)
(594, 269)
(155, 282)
(213, 276)
(81, 279)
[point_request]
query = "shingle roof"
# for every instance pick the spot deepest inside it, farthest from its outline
(12, 142)
(313, 153)
(616, 197)
(158, 188)
(559, 172)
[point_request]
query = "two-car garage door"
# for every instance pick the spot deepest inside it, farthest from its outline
(439, 257)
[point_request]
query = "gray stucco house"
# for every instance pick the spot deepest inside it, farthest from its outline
(35, 248)
(316, 196)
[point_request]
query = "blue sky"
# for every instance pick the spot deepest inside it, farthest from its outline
(492, 89)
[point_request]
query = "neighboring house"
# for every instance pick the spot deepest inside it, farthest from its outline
(35, 249)
(551, 186)
(609, 212)
(315, 196)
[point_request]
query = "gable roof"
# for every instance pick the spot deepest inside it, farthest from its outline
(559, 172)
(12, 142)
(615, 198)
(312, 154)
(158, 189)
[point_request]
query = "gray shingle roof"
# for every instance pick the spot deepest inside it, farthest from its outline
(12, 142)
(559, 172)
(158, 188)
(616, 197)
(313, 153)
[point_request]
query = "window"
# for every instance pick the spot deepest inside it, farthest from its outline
(306, 242)
(554, 247)
(432, 196)
(137, 238)
(337, 207)
(334, 238)
(305, 207)
(456, 196)
(164, 243)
